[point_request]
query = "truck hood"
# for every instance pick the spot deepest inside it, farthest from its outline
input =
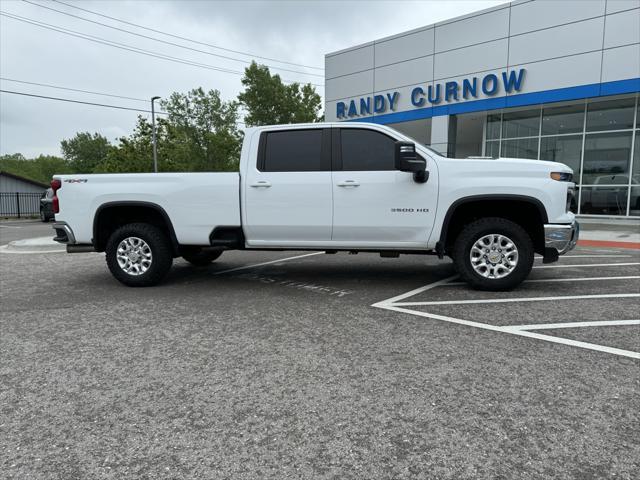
(524, 164)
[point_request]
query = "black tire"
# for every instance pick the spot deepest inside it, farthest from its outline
(201, 258)
(159, 245)
(487, 226)
(43, 216)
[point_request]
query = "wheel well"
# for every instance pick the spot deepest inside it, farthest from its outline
(526, 213)
(109, 217)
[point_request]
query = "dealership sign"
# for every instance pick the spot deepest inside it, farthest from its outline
(454, 91)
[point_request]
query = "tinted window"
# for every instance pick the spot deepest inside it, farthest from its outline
(366, 150)
(293, 151)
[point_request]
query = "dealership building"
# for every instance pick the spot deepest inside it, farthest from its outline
(531, 79)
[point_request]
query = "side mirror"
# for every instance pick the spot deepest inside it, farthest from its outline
(407, 160)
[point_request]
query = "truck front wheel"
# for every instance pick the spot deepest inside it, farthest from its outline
(139, 255)
(493, 254)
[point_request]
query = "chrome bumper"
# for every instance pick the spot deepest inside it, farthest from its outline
(562, 238)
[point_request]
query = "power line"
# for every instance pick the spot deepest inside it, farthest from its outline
(110, 43)
(83, 91)
(166, 42)
(78, 101)
(105, 105)
(122, 46)
(185, 38)
(73, 89)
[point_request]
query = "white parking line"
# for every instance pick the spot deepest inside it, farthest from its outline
(551, 326)
(415, 292)
(521, 333)
(596, 250)
(577, 265)
(245, 267)
(572, 279)
(394, 304)
(522, 299)
(590, 256)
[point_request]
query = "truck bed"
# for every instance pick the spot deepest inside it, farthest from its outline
(196, 203)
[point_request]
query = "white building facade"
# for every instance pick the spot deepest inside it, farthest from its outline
(553, 80)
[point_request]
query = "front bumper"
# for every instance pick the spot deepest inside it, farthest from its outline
(561, 238)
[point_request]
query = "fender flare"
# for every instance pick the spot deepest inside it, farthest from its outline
(154, 206)
(440, 245)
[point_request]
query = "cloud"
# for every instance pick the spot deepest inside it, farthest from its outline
(299, 32)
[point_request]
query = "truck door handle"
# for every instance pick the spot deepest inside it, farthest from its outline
(261, 184)
(349, 183)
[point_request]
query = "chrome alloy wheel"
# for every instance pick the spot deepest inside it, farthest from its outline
(494, 256)
(134, 256)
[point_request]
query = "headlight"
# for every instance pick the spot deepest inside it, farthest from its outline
(561, 176)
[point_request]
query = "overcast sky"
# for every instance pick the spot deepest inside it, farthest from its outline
(300, 32)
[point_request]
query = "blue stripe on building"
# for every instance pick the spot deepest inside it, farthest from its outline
(519, 100)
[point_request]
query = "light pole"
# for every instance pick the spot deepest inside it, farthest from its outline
(153, 125)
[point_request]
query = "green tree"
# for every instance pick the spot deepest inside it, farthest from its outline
(198, 134)
(269, 101)
(133, 154)
(85, 151)
(40, 169)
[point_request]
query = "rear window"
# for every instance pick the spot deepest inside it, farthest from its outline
(293, 151)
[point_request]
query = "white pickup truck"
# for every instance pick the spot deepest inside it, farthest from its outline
(331, 187)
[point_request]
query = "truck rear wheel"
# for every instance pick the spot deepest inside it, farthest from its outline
(139, 255)
(201, 258)
(493, 254)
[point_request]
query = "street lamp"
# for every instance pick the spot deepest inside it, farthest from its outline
(153, 124)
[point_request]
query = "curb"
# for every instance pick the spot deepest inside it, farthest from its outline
(33, 245)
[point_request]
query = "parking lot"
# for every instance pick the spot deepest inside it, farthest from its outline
(307, 365)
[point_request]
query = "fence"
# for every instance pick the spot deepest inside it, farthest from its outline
(19, 204)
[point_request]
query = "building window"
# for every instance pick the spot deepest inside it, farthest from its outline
(636, 160)
(610, 115)
(606, 158)
(492, 149)
(565, 149)
(524, 123)
(493, 127)
(634, 201)
(520, 148)
(561, 120)
(604, 200)
(599, 139)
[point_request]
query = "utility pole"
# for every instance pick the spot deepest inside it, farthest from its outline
(153, 123)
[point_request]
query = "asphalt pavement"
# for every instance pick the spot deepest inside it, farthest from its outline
(303, 365)
(11, 230)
